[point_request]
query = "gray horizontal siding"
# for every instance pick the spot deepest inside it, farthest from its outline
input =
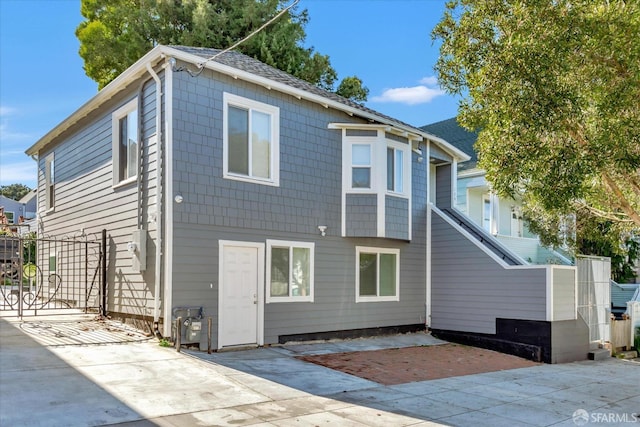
(469, 290)
(564, 294)
(334, 308)
(86, 200)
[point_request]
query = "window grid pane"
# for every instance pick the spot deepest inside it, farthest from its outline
(387, 275)
(279, 286)
(368, 274)
(260, 144)
(301, 272)
(50, 182)
(132, 143)
(398, 171)
(238, 141)
(361, 155)
(122, 155)
(390, 170)
(361, 178)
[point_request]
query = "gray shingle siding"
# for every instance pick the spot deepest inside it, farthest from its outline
(396, 218)
(361, 215)
(443, 186)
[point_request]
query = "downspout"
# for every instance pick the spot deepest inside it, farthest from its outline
(428, 307)
(158, 269)
(140, 161)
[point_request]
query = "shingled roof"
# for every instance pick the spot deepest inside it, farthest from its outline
(456, 135)
(246, 63)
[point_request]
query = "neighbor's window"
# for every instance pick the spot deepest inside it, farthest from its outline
(251, 146)
(289, 271)
(395, 170)
(11, 217)
(361, 166)
(486, 212)
(377, 274)
(125, 142)
(49, 178)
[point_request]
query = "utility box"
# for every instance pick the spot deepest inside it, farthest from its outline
(138, 249)
(191, 326)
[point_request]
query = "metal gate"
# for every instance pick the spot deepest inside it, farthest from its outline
(52, 275)
(594, 296)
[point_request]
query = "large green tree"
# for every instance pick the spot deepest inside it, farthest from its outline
(14, 191)
(553, 87)
(116, 33)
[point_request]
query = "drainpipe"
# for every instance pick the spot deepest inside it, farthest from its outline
(158, 270)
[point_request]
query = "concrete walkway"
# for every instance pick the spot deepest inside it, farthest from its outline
(139, 383)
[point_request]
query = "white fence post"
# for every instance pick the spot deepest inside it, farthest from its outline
(633, 308)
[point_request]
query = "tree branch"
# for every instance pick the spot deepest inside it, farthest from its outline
(622, 200)
(611, 216)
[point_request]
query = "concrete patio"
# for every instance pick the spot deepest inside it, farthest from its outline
(138, 383)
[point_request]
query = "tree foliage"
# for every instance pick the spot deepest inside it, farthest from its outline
(14, 191)
(552, 86)
(605, 238)
(116, 33)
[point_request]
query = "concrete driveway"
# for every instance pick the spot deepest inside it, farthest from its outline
(126, 379)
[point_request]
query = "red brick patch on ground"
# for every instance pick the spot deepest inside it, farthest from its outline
(403, 365)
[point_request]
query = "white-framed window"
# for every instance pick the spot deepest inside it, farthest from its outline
(124, 133)
(377, 274)
(486, 212)
(361, 166)
(251, 140)
(49, 182)
(395, 170)
(11, 217)
(290, 271)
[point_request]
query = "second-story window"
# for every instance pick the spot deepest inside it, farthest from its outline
(125, 142)
(49, 178)
(251, 145)
(395, 170)
(361, 166)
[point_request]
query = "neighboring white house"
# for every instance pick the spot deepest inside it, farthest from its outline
(498, 216)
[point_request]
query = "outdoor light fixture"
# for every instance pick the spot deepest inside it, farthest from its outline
(178, 198)
(323, 230)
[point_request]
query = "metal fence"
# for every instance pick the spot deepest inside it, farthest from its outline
(46, 274)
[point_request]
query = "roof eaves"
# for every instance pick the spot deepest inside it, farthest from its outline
(324, 101)
(108, 92)
(455, 152)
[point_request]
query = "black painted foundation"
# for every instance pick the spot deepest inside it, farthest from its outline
(352, 333)
(529, 339)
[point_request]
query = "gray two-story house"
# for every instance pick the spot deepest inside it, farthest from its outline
(284, 211)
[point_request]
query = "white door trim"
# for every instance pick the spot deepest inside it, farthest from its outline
(222, 244)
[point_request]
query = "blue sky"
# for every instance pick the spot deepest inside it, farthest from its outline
(384, 42)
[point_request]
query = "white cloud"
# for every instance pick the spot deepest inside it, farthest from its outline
(5, 111)
(422, 94)
(23, 172)
(429, 81)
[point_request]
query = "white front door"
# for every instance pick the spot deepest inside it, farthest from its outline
(240, 297)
